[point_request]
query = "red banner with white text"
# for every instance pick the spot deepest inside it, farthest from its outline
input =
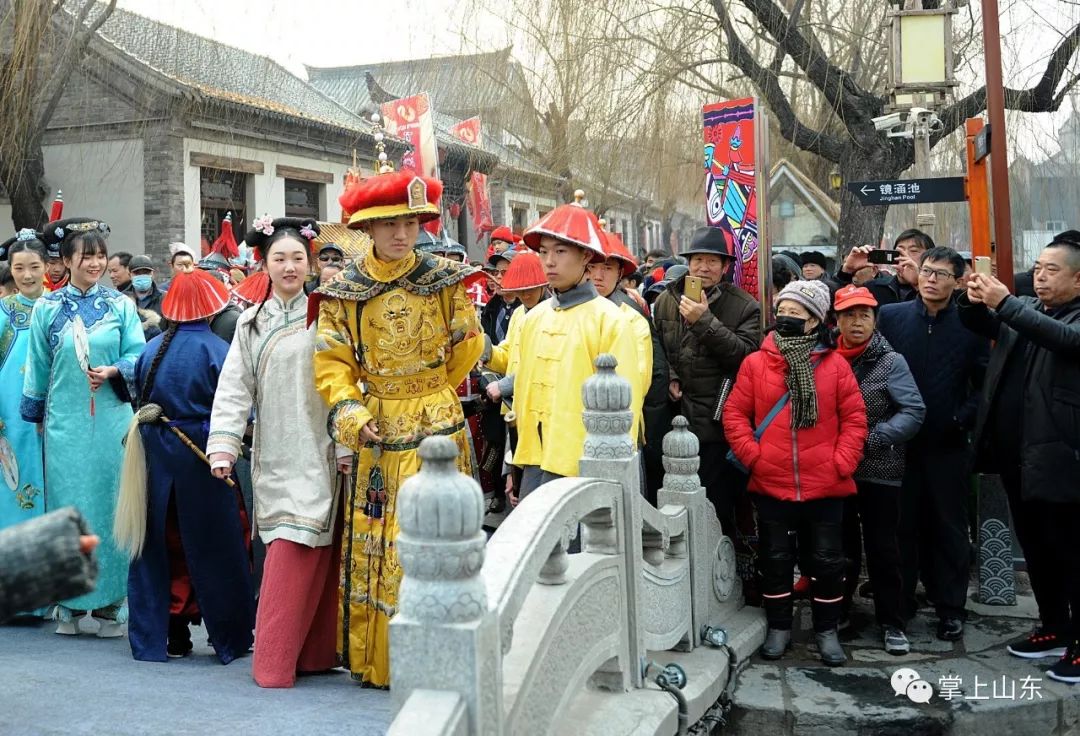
(478, 198)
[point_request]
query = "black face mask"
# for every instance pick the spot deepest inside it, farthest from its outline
(790, 326)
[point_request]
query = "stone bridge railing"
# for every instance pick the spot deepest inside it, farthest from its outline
(499, 637)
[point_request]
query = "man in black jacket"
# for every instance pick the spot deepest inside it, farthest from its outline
(1028, 431)
(705, 342)
(948, 363)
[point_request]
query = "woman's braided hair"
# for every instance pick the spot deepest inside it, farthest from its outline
(148, 386)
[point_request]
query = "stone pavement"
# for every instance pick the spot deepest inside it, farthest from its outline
(53, 684)
(799, 695)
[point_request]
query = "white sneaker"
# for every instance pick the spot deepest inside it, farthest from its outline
(67, 628)
(109, 629)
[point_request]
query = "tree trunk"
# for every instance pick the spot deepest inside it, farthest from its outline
(860, 225)
(24, 183)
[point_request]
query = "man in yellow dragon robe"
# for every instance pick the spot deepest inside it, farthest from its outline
(397, 333)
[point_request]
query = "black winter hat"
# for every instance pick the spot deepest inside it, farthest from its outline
(815, 257)
(717, 241)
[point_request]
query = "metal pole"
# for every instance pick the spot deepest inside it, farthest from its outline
(925, 218)
(999, 156)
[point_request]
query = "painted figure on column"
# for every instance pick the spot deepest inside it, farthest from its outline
(400, 323)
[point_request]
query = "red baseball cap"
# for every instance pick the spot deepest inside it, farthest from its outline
(853, 296)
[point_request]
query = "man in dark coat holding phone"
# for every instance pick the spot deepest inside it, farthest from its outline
(706, 340)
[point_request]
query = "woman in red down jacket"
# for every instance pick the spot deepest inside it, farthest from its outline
(801, 468)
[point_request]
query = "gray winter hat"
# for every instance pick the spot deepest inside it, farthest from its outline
(814, 295)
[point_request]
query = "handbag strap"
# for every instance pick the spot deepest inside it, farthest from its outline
(778, 408)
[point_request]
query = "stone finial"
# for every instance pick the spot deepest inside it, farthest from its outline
(606, 396)
(681, 460)
(441, 545)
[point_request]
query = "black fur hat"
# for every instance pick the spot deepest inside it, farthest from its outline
(262, 228)
(57, 231)
(27, 233)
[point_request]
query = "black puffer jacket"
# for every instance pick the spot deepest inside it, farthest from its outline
(894, 411)
(1050, 432)
(702, 355)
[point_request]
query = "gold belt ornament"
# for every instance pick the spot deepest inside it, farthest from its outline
(413, 385)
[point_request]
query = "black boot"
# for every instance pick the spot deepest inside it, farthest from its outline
(179, 638)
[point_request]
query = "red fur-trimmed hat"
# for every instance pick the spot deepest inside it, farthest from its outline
(525, 272)
(570, 223)
(393, 194)
(194, 295)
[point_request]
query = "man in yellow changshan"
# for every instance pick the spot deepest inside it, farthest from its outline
(401, 323)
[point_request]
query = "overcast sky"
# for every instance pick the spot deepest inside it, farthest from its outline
(345, 32)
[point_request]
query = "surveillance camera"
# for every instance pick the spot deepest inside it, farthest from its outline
(891, 121)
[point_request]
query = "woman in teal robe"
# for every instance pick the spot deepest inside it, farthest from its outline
(22, 492)
(85, 410)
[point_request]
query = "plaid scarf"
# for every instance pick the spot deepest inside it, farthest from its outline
(800, 378)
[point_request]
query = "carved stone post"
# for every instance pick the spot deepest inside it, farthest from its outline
(610, 453)
(443, 636)
(682, 487)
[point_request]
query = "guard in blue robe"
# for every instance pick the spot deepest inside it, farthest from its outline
(194, 561)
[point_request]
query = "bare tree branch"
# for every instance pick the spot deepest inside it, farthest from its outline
(825, 145)
(73, 52)
(1043, 97)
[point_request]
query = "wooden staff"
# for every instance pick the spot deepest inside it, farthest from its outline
(153, 413)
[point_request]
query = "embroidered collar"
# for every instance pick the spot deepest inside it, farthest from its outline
(428, 275)
(386, 271)
(298, 301)
(71, 290)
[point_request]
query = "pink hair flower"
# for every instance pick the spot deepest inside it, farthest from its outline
(308, 232)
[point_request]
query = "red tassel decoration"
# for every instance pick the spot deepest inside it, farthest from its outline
(57, 211)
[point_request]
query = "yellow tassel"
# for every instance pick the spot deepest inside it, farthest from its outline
(129, 527)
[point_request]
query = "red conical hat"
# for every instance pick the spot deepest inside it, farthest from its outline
(226, 242)
(194, 295)
(571, 223)
(254, 289)
(615, 248)
(525, 272)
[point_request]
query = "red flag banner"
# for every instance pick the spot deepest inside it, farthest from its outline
(731, 181)
(479, 199)
(410, 119)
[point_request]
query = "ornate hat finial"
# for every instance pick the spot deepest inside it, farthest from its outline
(383, 166)
(579, 195)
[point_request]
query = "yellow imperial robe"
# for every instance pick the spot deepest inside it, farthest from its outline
(554, 355)
(409, 333)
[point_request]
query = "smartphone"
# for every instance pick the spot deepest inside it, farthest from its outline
(882, 257)
(982, 265)
(692, 288)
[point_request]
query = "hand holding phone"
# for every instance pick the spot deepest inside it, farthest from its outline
(692, 288)
(881, 257)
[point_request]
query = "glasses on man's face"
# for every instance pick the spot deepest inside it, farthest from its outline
(935, 275)
(325, 258)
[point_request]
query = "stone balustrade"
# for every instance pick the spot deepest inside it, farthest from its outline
(500, 638)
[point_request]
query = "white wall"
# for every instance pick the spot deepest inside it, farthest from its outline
(535, 203)
(266, 190)
(103, 180)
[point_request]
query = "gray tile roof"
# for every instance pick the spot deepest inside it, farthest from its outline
(215, 70)
(465, 83)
